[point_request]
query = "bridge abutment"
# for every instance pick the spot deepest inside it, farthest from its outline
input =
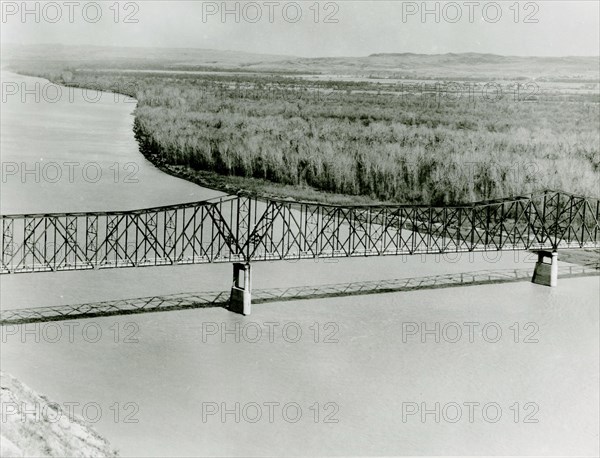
(546, 273)
(240, 300)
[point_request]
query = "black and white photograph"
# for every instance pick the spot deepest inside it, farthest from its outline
(311, 228)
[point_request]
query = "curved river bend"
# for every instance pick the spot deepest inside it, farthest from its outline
(160, 371)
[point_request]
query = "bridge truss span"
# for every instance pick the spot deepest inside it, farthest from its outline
(244, 229)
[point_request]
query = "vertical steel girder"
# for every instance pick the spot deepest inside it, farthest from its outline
(243, 229)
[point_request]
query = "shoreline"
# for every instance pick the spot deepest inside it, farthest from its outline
(232, 184)
(229, 184)
(260, 188)
(37, 426)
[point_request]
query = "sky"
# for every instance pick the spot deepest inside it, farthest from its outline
(314, 29)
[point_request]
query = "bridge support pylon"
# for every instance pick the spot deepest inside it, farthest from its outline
(240, 300)
(546, 273)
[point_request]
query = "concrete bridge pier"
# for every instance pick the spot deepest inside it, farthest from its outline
(546, 273)
(240, 300)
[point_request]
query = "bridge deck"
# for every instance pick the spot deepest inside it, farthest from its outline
(248, 229)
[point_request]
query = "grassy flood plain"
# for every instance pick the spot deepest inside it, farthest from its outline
(359, 141)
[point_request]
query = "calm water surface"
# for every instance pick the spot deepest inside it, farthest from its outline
(173, 366)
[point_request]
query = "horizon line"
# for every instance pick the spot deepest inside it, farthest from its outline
(298, 56)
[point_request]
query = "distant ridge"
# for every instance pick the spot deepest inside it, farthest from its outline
(451, 54)
(409, 65)
(474, 54)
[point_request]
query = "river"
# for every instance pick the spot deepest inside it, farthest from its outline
(335, 376)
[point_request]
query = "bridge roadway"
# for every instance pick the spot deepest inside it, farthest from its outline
(242, 229)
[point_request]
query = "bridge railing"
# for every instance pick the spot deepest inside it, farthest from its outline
(245, 228)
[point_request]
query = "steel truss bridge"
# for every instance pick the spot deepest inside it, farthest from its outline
(245, 229)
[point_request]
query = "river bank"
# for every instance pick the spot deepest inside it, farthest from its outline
(262, 188)
(229, 184)
(32, 425)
